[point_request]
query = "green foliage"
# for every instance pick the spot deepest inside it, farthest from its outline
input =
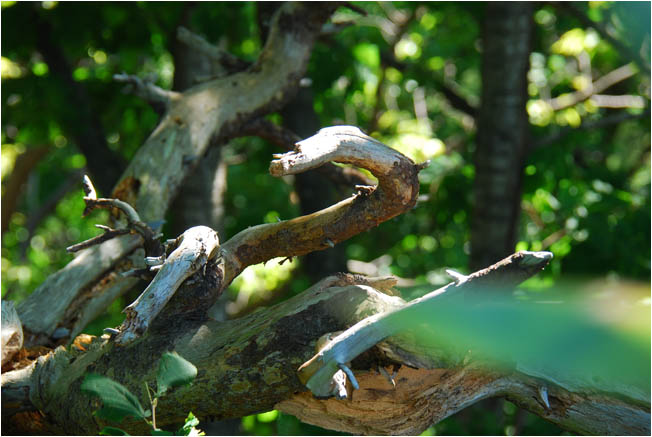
(118, 401)
(110, 430)
(173, 371)
(564, 335)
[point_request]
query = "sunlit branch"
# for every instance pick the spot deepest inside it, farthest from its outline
(286, 139)
(625, 101)
(609, 79)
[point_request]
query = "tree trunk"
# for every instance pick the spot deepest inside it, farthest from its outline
(502, 131)
(201, 197)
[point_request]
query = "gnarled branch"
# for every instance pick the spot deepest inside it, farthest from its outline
(397, 190)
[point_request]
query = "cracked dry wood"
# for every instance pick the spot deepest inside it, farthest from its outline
(420, 398)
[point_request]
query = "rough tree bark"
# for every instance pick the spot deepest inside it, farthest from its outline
(502, 131)
(251, 364)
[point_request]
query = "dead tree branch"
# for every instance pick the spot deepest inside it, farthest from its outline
(396, 193)
(397, 190)
(318, 373)
(286, 139)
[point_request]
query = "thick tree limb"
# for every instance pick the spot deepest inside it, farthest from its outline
(248, 365)
(318, 372)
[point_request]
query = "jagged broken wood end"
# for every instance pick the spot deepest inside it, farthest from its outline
(195, 247)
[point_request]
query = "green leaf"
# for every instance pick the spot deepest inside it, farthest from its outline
(173, 371)
(118, 402)
(110, 430)
(161, 432)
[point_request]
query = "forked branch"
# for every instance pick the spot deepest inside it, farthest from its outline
(134, 224)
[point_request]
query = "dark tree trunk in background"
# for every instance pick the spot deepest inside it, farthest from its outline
(80, 118)
(201, 198)
(315, 190)
(502, 131)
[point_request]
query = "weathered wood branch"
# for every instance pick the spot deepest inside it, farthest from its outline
(248, 365)
(286, 139)
(396, 193)
(397, 190)
(195, 247)
(318, 372)
(210, 110)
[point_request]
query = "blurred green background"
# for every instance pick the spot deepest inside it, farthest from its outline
(408, 73)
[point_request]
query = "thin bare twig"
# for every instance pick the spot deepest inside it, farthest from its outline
(107, 235)
(151, 244)
(606, 81)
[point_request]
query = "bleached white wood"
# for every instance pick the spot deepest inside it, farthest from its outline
(197, 245)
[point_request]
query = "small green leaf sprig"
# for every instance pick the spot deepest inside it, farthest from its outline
(118, 402)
